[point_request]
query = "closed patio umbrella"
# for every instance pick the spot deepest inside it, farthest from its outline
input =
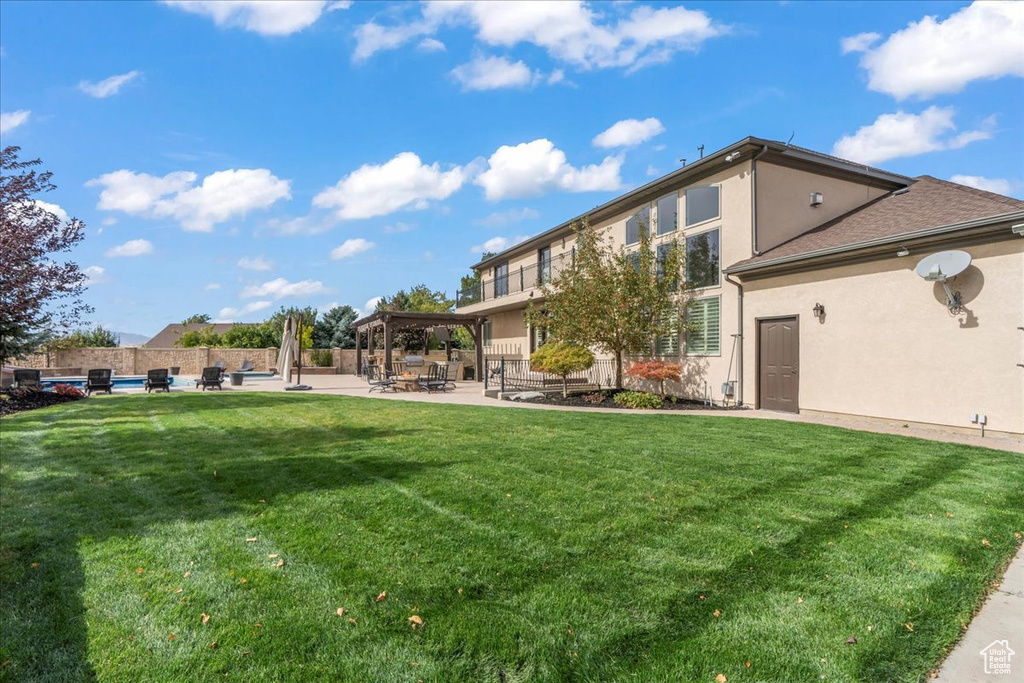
(286, 355)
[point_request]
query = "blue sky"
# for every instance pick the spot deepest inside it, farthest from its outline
(232, 157)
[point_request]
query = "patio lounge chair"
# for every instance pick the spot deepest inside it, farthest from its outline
(27, 379)
(453, 372)
(157, 379)
(211, 378)
(376, 379)
(99, 380)
(435, 379)
(247, 366)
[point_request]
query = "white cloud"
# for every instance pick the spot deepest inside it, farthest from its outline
(532, 168)
(902, 135)
(427, 256)
(255, 263)
(130, 248)
(404, 182)
(500, 219)
(629, 132)
(432, 45)
(9, 120)
(350, 248)
(930, 57)
(496, 244)
(399, 227)
(339, 4)
(998, 185)
(281, 288)
(493, 73)
(229, 314)
(54, 209)
(651, 171)
(94, 275)
(221, 196)
(569, 32)
(369, 307)
(212, 286)
(108, 86)
(858, 43)
(109, 220)
(266, 17)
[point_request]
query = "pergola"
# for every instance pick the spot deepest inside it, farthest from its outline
(390, 322)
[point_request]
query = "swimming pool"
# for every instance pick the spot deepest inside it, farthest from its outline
(120, 382)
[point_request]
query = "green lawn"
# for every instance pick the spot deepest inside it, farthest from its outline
(534, 545)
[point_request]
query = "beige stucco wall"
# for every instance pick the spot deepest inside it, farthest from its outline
(508, 335)
(888, 347)
(783, 201)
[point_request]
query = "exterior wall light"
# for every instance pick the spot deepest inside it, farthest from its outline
(819, 311)
(817, 199)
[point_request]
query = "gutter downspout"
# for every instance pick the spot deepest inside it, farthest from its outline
(739, 358)
(753, 202)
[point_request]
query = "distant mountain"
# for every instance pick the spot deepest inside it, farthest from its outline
(130, 339)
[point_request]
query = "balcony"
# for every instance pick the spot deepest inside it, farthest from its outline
(518, 281)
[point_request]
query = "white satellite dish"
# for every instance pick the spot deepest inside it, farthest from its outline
(942, 266)
(945, 264)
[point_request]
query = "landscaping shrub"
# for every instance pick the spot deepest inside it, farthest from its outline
(656, 371)
(68, 390)
(562, 359)
(321, 358)
(639, 400)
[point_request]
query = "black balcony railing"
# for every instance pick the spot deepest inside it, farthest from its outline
(515, 375)
(521, 279)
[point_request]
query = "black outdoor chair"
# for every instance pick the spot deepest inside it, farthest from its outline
(157, 379)
(211, 378)
(376, 379)
(436, 378)
(99, 380)
(27, 379)
(247, 366)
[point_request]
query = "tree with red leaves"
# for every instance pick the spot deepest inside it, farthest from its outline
(656, 371)
(37, 288)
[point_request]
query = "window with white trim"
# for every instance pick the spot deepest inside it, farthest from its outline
(703, 265)
(702, 204)
(703, 327)
(501, 279)
(668, 344)
(486, 333)
(641, 220)
(668, 214)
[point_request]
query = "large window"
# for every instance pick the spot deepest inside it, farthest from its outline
(703, 327)
(702, 204)
(668, 344)
(663, 252)
(641, 220)
(544, 266)
(668, 214)
(501, 279)
(703, 267)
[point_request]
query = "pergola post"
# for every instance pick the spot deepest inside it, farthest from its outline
(389, 334)
(371, 341)
(359, 353)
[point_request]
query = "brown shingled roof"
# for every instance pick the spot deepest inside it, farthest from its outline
(927, 203)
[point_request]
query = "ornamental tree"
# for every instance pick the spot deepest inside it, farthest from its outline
(37, 288)
(656, 371)
(562, 359)
(611, 299)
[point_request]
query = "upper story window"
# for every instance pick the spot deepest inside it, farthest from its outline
(663, 251)
(544, 266)
(703, 263)
(668, 214)
(702, 204)
(641, 220)
(501, 279)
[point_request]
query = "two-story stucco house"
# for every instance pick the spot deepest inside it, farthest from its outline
(811, 302)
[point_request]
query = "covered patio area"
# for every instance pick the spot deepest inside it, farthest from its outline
(388, 323)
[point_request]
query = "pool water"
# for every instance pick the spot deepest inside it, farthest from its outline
(122, 382)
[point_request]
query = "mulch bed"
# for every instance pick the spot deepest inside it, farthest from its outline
(16, 401)
(590, 400)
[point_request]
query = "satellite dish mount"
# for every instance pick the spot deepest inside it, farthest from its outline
(942, 267)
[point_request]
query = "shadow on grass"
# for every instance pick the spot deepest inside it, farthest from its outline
(100, 476)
